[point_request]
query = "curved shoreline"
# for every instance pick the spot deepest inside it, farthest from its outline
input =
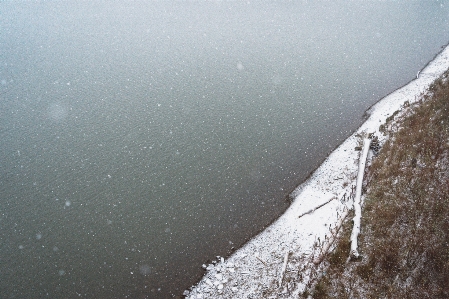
(255, 269)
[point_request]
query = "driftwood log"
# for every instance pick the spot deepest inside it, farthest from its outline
(357, 205)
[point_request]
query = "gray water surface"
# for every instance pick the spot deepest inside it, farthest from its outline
(140, 139)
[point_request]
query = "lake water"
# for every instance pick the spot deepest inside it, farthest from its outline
(140, 139)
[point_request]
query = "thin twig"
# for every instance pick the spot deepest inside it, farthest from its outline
(263, 262)
(314, 209)
(284, 266)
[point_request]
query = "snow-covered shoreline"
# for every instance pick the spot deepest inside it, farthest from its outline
(255, 270)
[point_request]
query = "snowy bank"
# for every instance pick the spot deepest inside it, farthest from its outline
(277, 263)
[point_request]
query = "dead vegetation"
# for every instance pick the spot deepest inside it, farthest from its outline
(404, 241)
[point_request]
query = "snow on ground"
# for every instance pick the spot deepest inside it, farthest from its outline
(255, 270)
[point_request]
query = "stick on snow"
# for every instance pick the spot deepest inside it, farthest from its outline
(316, 208)
(358, 193)
(261, 260)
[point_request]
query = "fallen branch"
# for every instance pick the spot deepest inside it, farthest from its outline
(316, 208)
(284, 267)
(358, 193)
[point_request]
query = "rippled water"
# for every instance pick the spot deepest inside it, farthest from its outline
(140, 139)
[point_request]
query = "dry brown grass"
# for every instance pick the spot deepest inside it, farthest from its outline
(405, 222)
